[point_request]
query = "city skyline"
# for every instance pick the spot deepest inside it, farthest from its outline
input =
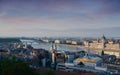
(36, 18)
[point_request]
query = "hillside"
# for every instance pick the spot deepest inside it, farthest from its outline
(6, 40)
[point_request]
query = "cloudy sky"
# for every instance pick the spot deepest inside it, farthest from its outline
(83, 18)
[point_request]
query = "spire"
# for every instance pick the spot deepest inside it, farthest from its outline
(103, 37)
(52, 47)
(55, 47)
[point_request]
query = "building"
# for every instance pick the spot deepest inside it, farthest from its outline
(48, 40)
(68, 41)
(70, 58)
(96, 43)
(89, 61)
(113, 44)
(59, 41)
(103, 43)
(110, 46)
(65, 67)
(56, 55)
(74, 42)
(45, 40)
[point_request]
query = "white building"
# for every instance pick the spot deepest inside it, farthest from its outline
(74, 42)
(68, 41)
(57, 41)
(45, 40)
(89, 61)
(67, 67)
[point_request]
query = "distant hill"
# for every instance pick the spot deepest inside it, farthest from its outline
(5, 40)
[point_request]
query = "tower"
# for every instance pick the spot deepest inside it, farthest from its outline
(53, 48)
(103, 41)
(25, 45)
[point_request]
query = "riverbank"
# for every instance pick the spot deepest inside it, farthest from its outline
(74, 46)
(90, 49)
(112, 50)
(115, 52)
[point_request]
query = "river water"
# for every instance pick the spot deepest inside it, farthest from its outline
(48, 45)
(59, 47)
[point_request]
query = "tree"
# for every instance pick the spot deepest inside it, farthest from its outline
(5, 40)
(18, 69)
(47, 72)
(102, 53)
(40, 57)
(14, 67)
(48, 63)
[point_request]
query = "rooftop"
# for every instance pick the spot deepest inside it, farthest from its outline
(88, 59)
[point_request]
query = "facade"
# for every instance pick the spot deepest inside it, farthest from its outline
(112, 45)
(111, 52)
(74, 42)
(103, 43)
(45, 40)
(68, 41)
(59, 41)
(65, 67)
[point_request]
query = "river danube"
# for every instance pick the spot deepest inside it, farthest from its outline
(48, 45)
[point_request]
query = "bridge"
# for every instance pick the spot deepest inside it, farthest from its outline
(30, 41)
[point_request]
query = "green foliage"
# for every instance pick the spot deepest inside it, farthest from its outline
(18, 69)
(48, 64)
(102, 53)
(40, 57)
(12, 66)
(47, 72)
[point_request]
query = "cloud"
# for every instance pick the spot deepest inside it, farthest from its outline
(84, 8)
(53, 17)
(3, 14)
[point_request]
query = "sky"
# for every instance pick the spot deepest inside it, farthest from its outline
(59, 18)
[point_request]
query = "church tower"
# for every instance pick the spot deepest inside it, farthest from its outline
(53, 47)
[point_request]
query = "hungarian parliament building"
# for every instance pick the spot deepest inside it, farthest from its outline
(103, 43)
